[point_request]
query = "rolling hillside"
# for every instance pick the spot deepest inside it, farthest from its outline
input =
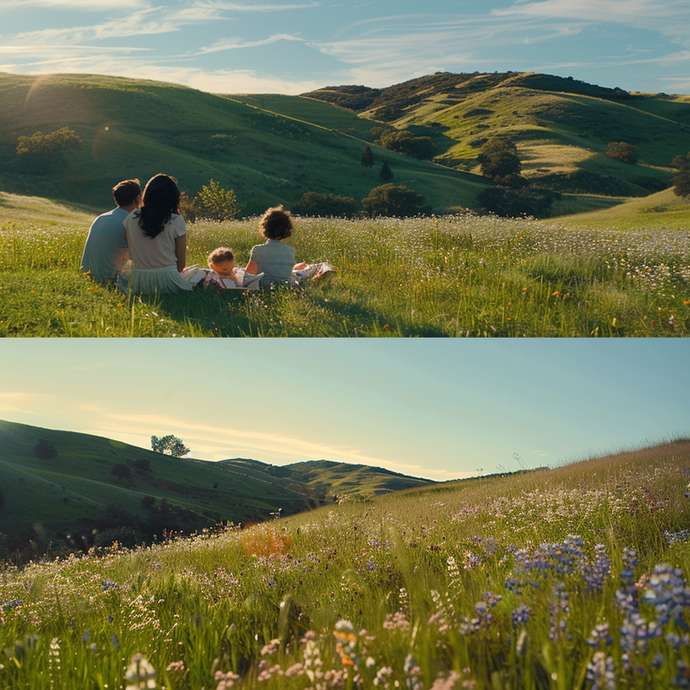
(561, 126)
(75, 492)
(134, 128)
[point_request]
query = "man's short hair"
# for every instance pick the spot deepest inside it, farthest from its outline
(126, 192)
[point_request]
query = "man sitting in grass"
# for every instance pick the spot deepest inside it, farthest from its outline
(106, 251)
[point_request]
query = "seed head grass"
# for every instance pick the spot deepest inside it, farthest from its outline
(556, 578)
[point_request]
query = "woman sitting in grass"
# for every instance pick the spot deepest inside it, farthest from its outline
(277, 260)
(157, 239)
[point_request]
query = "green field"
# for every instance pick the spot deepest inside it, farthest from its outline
(571, 578)
(619, 272)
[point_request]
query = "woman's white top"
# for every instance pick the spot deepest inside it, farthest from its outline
(157, 252)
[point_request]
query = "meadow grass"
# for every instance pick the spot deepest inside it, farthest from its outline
(459, 275)
(568, 578)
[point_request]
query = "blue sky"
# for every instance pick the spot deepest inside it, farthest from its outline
(435, 408)
(292, 46)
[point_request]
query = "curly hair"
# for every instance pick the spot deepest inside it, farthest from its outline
(276, 224)
(220, 254)
(161, 199)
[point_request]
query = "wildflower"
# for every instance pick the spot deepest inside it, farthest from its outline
(140, 673)
(11, 604)
(520, 615)
(601, 672)
(225, 680)
(599, 634)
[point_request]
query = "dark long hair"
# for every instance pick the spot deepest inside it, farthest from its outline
(161, 199)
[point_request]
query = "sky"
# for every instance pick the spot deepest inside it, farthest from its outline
(293, 46)
(435, 408)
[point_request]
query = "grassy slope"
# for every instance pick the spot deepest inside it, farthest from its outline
(133, 128)
(660, 210)
(411, 572)
(78, 484)
(557, 131)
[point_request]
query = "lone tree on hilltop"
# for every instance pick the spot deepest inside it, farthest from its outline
(41, 153)
(394, 201)
(622, 151)
(169, 445)
(367, 157)
(499, 160)
(681, 180)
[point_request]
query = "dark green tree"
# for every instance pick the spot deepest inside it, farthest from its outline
(622, 151)
(121, 471)
(43, 153)
(403, 141)
(367, 157)
(386, 173)
(515, 203)
(169, 445)
(499, 159)
(44, 450)
(325, 205)
(394, 201)
(681, 180)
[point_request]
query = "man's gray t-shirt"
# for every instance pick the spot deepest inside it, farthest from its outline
(105, 251)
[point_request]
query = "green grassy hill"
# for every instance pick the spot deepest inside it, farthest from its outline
(75, 492)
(134, 128)
(561, 126)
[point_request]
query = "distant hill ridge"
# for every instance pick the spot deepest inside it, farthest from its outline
(59, 483)
(387, 103)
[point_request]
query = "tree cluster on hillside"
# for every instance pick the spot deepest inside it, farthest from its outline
(403, 141)
(395, 201)
(681, 180)
(169, 445)
(42, 153)
(622, 151)
(499, 160)
(325, 206)
(511, 196)
(213, 202)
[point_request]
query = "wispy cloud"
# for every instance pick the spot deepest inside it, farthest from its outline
(258, 7)
(235, 43)
(77, 5)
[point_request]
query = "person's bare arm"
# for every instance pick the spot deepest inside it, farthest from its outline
(251, 267)
(181, 252)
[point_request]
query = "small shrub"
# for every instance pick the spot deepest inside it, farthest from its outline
(213, 202)
(394, 200)
(515, 203)
(325, 206)
(148, 501)
(121, 471)
(622, 151)
(44, 450)
(142, 464)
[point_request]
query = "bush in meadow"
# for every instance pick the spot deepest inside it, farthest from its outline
(44, 450)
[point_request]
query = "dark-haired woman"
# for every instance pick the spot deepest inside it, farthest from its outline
(157, 239)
